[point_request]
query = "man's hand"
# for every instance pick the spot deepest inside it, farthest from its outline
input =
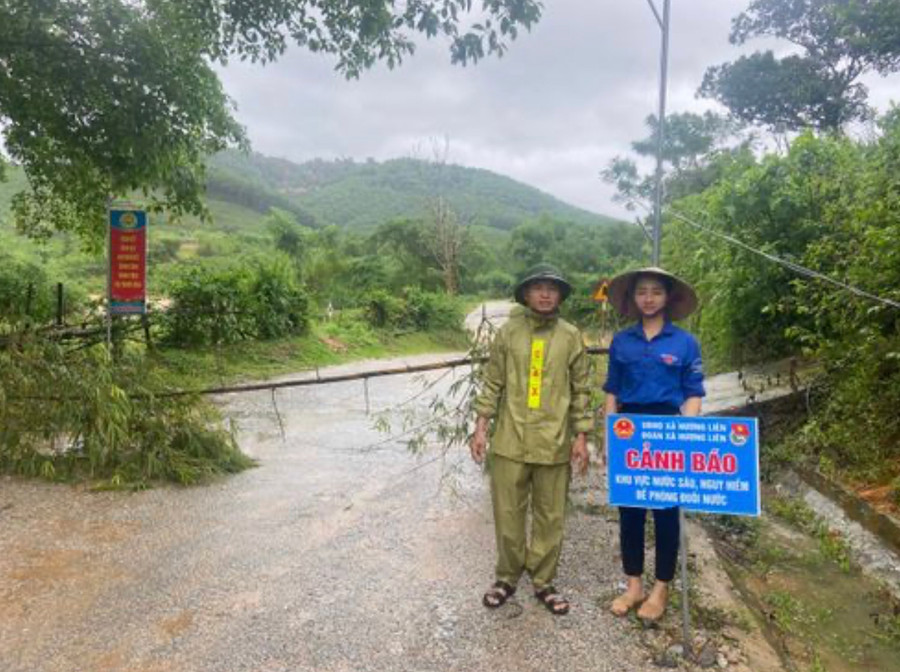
(478, 442)
(580, 456)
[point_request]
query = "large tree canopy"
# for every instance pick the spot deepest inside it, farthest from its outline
(102, 98)
(839, 40)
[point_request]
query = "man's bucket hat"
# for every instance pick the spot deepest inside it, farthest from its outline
(542, 272)
(681, 302)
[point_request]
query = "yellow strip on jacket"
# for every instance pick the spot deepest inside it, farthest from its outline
(536, 373)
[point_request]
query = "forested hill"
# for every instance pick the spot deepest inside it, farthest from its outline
(365, 194)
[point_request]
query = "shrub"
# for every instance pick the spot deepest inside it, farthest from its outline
(383, 309)
(164, 249)
(209, 305)
(20, 278)
(495, 283)
(25, 292)
(279, 306)
(428, 311)
(212, 304)
(349, 331)
(416, 310)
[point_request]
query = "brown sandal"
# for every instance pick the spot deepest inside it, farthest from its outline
(497, 595)
(556, 604)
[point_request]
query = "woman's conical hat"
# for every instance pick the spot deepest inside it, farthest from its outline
(681, 301)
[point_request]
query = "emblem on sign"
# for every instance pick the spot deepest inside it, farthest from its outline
(740, 434)
(624, 428)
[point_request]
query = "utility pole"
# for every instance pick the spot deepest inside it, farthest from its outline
(663, 22)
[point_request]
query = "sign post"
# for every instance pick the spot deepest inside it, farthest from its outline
(600, 294)
(705, 463)
(127, 273)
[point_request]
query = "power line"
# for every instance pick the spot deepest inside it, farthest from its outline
(796, 268)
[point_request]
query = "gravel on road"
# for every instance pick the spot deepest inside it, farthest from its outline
(340, 552)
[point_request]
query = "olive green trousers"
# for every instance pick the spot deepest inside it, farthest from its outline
(547, 486)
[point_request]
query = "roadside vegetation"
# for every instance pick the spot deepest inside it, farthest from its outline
(246, 296)
(806, 175)
(830, 205)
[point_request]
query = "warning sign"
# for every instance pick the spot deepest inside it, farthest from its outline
(708, 464)
(601, 291)
(127, 261)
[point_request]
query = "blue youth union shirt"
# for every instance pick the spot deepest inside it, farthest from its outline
(665, 370)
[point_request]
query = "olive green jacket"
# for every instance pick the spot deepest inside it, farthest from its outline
(537, 409)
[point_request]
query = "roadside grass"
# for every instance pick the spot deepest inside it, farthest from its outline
(792, 615)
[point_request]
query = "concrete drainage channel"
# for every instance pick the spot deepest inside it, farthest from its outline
(872, 538)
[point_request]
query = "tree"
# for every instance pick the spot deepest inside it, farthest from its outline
(446, 237)
(403, 242)
(688, 137)
(102, 98)
(532, 241)
(446, 233)
(840, 40)
(690, 143)
(289, 236)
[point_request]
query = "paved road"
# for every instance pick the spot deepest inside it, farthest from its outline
(340, 552)
(494, 312)
(332, 555)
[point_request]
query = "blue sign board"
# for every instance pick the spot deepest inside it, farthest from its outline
(708, 464)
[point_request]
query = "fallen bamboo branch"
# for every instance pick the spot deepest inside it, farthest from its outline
(317, 380)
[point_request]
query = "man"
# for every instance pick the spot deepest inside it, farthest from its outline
(535, 388)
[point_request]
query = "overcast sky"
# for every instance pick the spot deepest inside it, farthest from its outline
(562, 102)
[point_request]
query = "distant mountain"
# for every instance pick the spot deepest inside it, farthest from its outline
(365, 194)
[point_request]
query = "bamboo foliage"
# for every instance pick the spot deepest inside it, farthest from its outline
(66, 415)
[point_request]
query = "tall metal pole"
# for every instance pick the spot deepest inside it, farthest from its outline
(657, 238)
(663, 22)
(661, 129)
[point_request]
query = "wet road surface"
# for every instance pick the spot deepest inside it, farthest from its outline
(340, 552)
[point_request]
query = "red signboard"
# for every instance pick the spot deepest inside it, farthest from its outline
(127, 261)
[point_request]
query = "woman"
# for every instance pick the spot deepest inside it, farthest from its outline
(654, 369)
